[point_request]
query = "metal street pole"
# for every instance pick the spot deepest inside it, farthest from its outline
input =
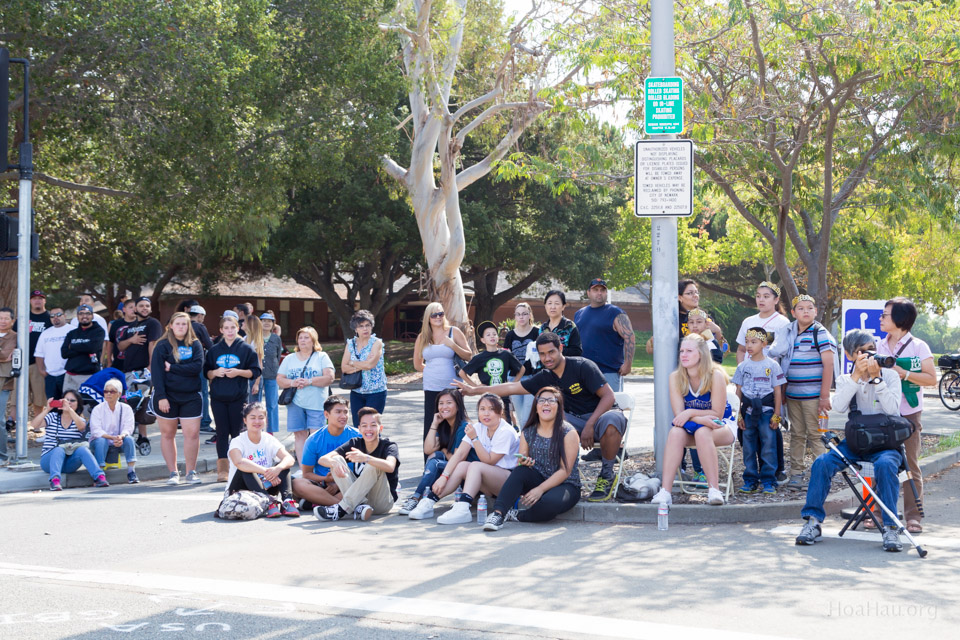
(666, 320)
(23, 267)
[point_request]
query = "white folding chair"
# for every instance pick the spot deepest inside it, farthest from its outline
(726, 455)
(627, 403)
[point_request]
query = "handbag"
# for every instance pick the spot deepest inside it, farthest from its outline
(866, 435)
(70, 446)
(350, 381)
(287, 396)
(458, 362)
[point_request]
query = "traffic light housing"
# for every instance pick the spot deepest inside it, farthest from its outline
(10, 236)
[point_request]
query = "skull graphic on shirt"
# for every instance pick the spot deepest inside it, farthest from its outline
(494, 369)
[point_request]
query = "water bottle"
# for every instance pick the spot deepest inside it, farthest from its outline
(457, 494)
(482, 509)
(824, 422)
(662, 512)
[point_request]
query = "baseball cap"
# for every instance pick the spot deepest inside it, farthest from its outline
(36, 293)
(483, 326)
(142, 298)
(230, 314)
(267, 316)
(84, 307)
(197, 309)
(598, 282)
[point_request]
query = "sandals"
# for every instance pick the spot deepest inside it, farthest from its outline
(914, 526)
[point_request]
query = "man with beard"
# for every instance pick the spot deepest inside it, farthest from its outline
(81, 349)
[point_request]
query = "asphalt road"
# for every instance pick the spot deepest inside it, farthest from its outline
(150, 561)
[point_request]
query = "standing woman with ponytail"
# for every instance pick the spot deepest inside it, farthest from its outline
(229, 366)
(254, 338)
(175, 371)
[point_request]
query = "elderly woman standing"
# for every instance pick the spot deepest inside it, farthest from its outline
(433, 354)
(111, 425)
(364, 353)
(915, 368)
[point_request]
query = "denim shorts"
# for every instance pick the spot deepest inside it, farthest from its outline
(299, 418)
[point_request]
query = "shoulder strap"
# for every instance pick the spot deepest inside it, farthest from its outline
(306, 363)
(903, 346)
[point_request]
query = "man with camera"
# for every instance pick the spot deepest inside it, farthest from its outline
(872, 390)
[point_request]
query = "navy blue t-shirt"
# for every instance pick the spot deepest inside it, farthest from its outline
(601, 342)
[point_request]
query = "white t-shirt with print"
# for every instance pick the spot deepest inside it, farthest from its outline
(770, 325)
(505, 440)
(310, 398)
(264, 453)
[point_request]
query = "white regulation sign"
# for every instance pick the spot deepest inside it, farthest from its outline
(663, 178)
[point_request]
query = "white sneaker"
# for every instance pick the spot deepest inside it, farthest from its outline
(459, 514)
(174, 479)
(362, 512)
(423, 510)
(663, 496)
(714, 497)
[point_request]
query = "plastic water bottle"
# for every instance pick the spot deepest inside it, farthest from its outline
(662, 513)
(824, 423)
(482, 509)
(457, 494)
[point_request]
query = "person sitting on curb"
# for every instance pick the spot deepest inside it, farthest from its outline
(371, 486)
(876, 390)
(111, 425)
(703, 417)
(316, 486)
(590, 402)
(259, 462)
(546, 479)
(64, 447)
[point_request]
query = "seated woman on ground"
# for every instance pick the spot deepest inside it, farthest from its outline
(546, 479)
(260, 463)
(443, 438)
(65, 448)
(703, 418)
(495, 443)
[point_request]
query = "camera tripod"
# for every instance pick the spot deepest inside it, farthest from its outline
(830, 441)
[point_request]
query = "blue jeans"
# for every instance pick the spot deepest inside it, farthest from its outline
(258, 396)
(522, 404)
(205, 419)
(886, 465)
(614, 379)
(4, 396)
(57, 462)
(434, 466)
(53, 385)
(759, 437)
(100, 447)
(271, 395)
(358, 401)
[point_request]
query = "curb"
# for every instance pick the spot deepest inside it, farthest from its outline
(646, 513)
(146, 471)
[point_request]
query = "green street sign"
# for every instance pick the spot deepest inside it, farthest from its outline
(663, 105)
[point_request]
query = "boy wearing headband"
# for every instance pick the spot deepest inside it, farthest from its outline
(759, 381)
(808, 357)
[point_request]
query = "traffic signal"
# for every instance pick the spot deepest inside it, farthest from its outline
(10, 236)
(4, 106)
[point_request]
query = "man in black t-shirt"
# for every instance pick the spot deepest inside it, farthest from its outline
(139, 339)
(371, 487)
(589, 403)
(118, 332)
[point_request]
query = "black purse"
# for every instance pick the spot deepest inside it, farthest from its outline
(351, 381)
(286, 397)
(866, 435)
(458, 362)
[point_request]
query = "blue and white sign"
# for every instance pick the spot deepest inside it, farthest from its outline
(862, 314)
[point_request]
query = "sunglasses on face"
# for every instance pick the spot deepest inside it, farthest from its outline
(110, 391)
(438, 314)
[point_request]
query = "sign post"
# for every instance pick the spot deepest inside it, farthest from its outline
(861, 314)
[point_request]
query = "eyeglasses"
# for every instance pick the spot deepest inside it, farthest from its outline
(885, 315)
(438, 314)
(106, 391)
(544, 400)
(692, 293)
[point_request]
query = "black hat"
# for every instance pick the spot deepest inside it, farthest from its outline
(483, 326)
(598, 282)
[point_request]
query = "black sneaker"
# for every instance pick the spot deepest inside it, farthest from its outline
(132, 477)
(327, 513)
(602, 490)
(494, 522)
(810, 534)
(592, 456)
(212, 440)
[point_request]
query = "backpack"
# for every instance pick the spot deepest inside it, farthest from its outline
(243, 505)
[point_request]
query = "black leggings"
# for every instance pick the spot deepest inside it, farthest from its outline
(253, 482)
(229, 419)
(429, 410)
(549, 506)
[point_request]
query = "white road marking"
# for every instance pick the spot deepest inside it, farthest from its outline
(865, 536)
(418, 608)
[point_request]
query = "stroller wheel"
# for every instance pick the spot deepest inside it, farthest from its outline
(143, 446)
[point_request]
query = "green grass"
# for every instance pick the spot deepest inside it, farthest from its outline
(948, 442)
(643, 361)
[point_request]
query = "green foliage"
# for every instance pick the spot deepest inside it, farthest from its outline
(937, 333)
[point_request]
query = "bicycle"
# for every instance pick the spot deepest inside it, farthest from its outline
(949, 385)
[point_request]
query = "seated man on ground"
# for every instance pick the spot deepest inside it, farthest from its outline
(875, 390)
(111, 425)
(590, 403)
(317, 486)
(371, 486)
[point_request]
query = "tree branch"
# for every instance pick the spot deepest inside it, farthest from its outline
(72, 186)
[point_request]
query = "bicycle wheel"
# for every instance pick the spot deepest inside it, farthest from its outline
(950, 390)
